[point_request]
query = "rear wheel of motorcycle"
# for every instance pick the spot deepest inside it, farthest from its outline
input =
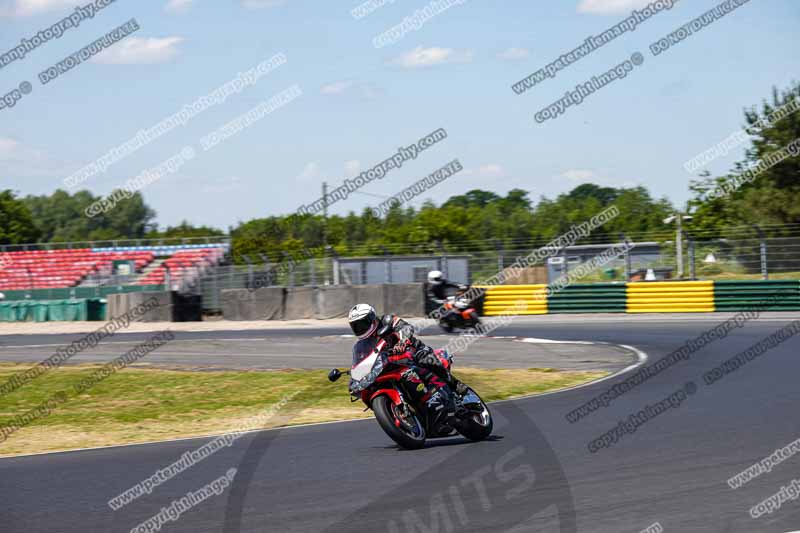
(477, 425)
(405, 431)
(475, 320)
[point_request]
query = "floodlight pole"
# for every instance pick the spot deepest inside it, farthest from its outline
(324, 214)
(763, 251)
(678, 218)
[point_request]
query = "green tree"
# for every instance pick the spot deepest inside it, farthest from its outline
(773, 198)
(16, 221)
(185, 230)
(61, 217)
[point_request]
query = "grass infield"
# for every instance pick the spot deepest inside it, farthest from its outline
(148, 404)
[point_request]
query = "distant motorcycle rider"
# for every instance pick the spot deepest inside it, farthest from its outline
(437, 291)
(401, 341)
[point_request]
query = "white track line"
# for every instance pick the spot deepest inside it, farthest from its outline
(641, 356)
(533, 340)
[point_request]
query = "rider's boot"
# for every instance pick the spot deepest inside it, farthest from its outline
(460, 388)
(454, 383)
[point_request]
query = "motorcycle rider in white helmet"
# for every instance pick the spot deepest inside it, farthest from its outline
(400, 339)
(437, 291)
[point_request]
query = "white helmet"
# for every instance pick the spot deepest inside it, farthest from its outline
(363, 320)
(434, 277)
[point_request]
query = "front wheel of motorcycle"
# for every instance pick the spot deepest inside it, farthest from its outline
(402, 427)
(476, 421)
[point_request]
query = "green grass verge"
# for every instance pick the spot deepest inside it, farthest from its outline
(141, 405)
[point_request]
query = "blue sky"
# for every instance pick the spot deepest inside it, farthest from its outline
(359, 103)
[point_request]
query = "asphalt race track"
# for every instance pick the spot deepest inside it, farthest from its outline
(536, 474)
(285, 349)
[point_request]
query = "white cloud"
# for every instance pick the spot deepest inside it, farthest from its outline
(13, 150)
(337, 87)
(9, 148)
(138, 51)
(421, 57)
(492, 170)
(178, 6)
(24, 8)
(352, 167)
(489, 170)
(514, 54)
(365, 91)
(611, 7)
(311, 172)
(20, 160)
(579, 175)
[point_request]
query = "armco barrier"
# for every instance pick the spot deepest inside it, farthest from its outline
(645, 297)
(670, 297)
(743, 295)
(515, 299)
(589, 298)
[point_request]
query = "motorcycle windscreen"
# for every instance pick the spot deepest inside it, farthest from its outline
(363, 349)
(369, 366)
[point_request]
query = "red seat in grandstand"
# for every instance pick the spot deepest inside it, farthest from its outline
(48, 269)
(182, 264)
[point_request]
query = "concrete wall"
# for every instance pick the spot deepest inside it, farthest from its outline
(299, 303)
(333, 301)
(121, 303)
(116, 305)
(266, 303)
(292, 303)
(162, 313)
(407, 299)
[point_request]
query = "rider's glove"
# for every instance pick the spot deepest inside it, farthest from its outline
(401, 347)
(428, 359)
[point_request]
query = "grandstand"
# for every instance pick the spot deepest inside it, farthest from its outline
(183, 265)
(172, 265)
